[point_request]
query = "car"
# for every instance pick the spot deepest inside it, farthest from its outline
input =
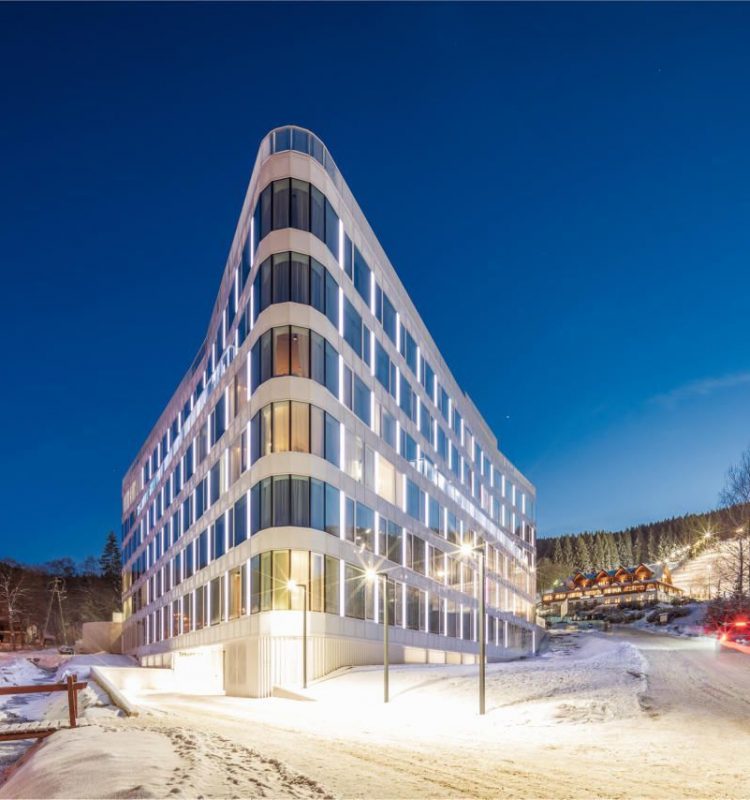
(735, 635)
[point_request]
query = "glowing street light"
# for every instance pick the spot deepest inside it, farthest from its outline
(467, 550)
(371, 575)
(292, 585)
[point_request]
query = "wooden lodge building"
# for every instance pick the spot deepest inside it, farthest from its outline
(624, 586)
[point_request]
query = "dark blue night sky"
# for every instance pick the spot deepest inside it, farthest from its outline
(564, 190)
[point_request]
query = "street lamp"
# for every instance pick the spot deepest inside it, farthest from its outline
(468, 550)
(292, 585)
(372, 576)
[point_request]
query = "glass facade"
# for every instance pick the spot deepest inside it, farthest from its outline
(318, 404)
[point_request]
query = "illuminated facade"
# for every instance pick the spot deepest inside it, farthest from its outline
(317, 436)
(624, 586)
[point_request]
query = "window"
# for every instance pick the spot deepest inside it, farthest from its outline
(332, 230)
(332, 436)
(361, 276)
(265, 212)
(316, 589)
(331, 585)
(200, 499)
(280, 580)
(443, 403)
(332, 511)
(352, 327)
(317, 358)
(361, 405)
(317, 286)
(300, 427)
(317, 504)
(300, 352)
(388, 429)
(347, 255)
(281, 280)
(218, 539)
(386, 486)
(219, 420)
(354, 592)
(202, 552)
(237, 592)
(216, 601)
(409, 349)
(240, 520)
(364, 533)
(300, 501)
(390, 544)
(317, 213)
(434, 515)
(281, 427)
(389, 319)
(299, 284)
(294, 500)
(382, 366)
(414, 501)
(408, 448)
(281, 351)
(281, 501)
(300, 212)
(296, 351)
(332, 300)
(425, 422)
(332, 369)
(408, 399)
(281, 204)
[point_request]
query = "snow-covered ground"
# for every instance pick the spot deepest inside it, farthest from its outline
(629, 714)
(689, 625)
(19, 671)
(48, 666)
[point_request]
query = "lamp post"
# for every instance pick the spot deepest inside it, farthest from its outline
(373, 576)
(467, 550)
(292, 585)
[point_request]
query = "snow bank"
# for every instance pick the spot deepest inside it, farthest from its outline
(154, 761)
(689, 625)
(87, 762)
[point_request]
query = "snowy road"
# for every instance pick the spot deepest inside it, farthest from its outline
(632, 714)
(692, 679)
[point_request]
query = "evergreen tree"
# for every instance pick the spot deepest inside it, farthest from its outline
(557, 553)
(639, 546)
(568, 554)
(110, 564)
(626, 549)
(582, 559)
(599, 554)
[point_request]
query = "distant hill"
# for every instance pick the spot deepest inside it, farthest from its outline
(674, 539)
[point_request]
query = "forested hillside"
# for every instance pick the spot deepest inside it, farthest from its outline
(669, 539)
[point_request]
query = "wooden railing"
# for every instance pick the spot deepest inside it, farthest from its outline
(26, 730)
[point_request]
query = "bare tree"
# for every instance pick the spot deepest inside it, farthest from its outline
(734, 563)
(13, 594)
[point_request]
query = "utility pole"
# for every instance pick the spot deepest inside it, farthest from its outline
(57, 592)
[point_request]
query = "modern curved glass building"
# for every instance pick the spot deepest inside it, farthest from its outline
(318, 436)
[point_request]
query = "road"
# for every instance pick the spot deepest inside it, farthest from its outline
(694, 679)
(670, 719)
